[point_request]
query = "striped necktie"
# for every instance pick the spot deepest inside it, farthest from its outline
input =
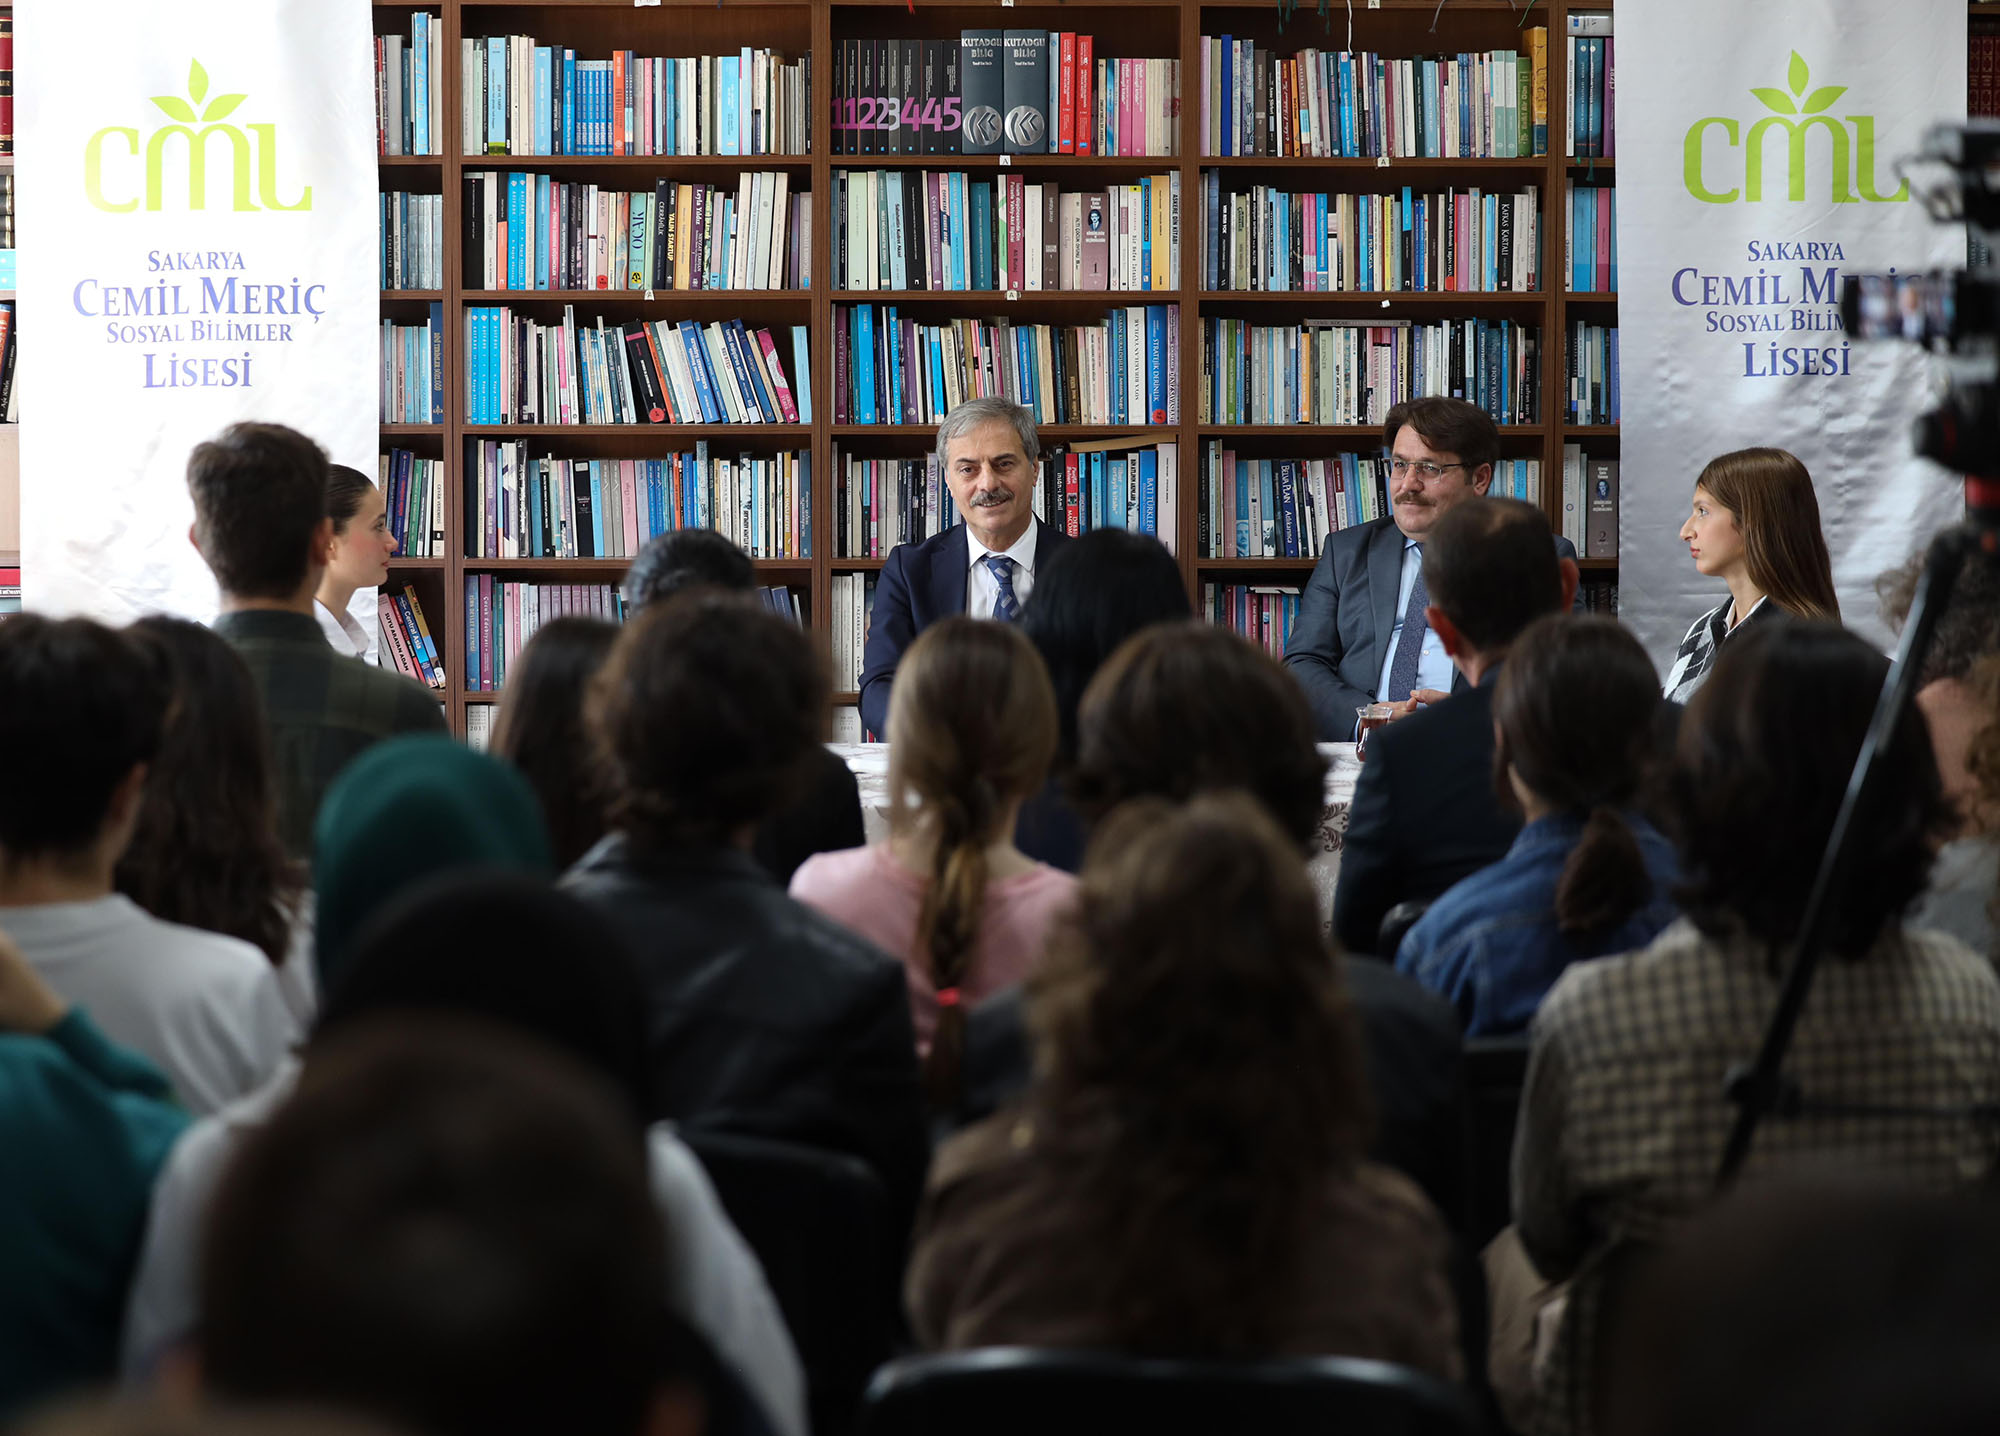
(1006, 607)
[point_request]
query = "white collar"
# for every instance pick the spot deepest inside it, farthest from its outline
(1023, 551)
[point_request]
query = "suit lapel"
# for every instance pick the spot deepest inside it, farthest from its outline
(948, 573)
(1385, 578)
(1047, 536)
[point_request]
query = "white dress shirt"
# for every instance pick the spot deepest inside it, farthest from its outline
(341, 630)
(982, 589)
(1434, 667)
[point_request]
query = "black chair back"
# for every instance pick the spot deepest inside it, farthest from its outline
(1495, 1069)
(1019, 1391)
(819, 1223)
(1396, 922)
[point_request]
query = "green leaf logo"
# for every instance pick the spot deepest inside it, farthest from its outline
(1777, 100)
(176, 108)
(1798, 75)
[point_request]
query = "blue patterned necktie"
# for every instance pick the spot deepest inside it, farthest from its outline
(1006, 607)
(1410, 641)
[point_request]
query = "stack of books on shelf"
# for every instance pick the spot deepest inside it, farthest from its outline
(1592, 91)
(1001, 91)
(530, 231)
(409, 89)
(1982, 66)
(947, 230)
(1590, 238)
(412, 227)
(521, 506)
(501, 616)
(1467, 241)
(1592, 374)
(1262, 614)
(1121, 370)
(522, 371)
(1590, 502)
(413, 493)
(1329, 371)
(7, 80)
(413, 370)
(407, 641)
(1600, 595)
(852, 599)
(524, 98)
(1323, 104)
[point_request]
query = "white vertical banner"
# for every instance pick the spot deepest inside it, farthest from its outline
(1758, 146)
(197, 187)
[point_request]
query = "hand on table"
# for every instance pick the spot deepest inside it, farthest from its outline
(1420, 698)
(26, 1002)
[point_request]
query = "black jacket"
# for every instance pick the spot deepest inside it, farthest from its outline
(765, 1017)
(824, 818)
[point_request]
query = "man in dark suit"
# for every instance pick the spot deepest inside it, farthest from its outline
(1361, 636)
(983, 567)
(1425, 811)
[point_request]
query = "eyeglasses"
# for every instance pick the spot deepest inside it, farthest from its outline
(1422, 468)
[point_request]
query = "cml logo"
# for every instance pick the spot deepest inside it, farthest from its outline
(1797, 112)
(250, 151)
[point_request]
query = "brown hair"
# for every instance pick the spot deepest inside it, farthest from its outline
(1574, 709)
(1770, 494)
(1198, 1072)
(1490, 566)
(540, 729)
(972, 727)
(260, 494)
(1449, 426)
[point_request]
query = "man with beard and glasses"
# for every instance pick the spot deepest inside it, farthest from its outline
(983, 567)
(1361, 636)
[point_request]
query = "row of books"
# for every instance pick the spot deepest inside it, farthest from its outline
(407, 641)
(413, 370)
(1327, 104)
(501, 616)
(6, 208)
(893, 370)
(409, 89)
(947, 230)
(1336, 371)
(1590, 502)
(518, 505)
(412, 228)
(522, 371)
(995, 91)
(1982, 67)
(1590, 238)
(1591, 373)
(10, 344)
(1592, 93)
(850, 604)
(7, 81)
(1452, 240)
(530, 231)
(523, 98)
(1600, 595)
(1261, 613)
(413, 495)
(880, 503)
(1285, 508)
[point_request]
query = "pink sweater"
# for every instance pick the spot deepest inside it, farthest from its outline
(867, 890)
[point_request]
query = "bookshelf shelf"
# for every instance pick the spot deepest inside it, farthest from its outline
(412, 296)
(759, 305)
(1537, 164)
(858, 565)
(650, 165)
(1598, 565)
(1376, 300)
(1287, 566)
(1583, 297)
(407, 162)
(1142, 433)
(417, 565)
(1111, 165)
(411, 431)
(1337, 431)
(1097, 300)
(664, 436)
(1590, 431)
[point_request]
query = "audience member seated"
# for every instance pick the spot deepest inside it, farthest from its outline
(826, 817)
(1185, 1176)
(356, 559)
(1623, 1117)
(82, 708)
(972, 724)
(1094, 593)
(1576, 711)
(206, 852)
(448, 1229)
(984, 565)
(1754, 524)
(84, 1125)
(260, 523)
(408, 810)
(540, 728)
(1424, 813)
(483, 945)
(766, 1018)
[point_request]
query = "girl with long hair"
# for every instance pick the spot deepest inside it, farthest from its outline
(540, 728)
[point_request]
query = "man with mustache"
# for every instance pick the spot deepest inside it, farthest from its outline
(984, 566)
(1361, 636)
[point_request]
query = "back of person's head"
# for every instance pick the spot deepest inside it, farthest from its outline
(1969, 628)
(206, 851)
(1198, 1069)
(81, 706)
(509, 949)
(1090, 595)
(1838, 1306)
(1771, 496)
(124, 1416)
(345, 489)
(540, 728)
(684, 559)
(1764, 756)
(972, 726)
(703, 718)
(403, 811)
(1187, 708)
(260, 499)
(1490, 566)
(446, 1226)
(1447, 426)
(1574, 713)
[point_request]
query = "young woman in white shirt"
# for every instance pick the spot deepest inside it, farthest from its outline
(358, 557)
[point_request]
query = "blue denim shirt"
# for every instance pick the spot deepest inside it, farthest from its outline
(1490, 945)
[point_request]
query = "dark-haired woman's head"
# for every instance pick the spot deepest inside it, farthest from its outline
(1092, 594)
(1765, 752)
(206, 851)
(1187, 708)
(540, 728)
(362, 543)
